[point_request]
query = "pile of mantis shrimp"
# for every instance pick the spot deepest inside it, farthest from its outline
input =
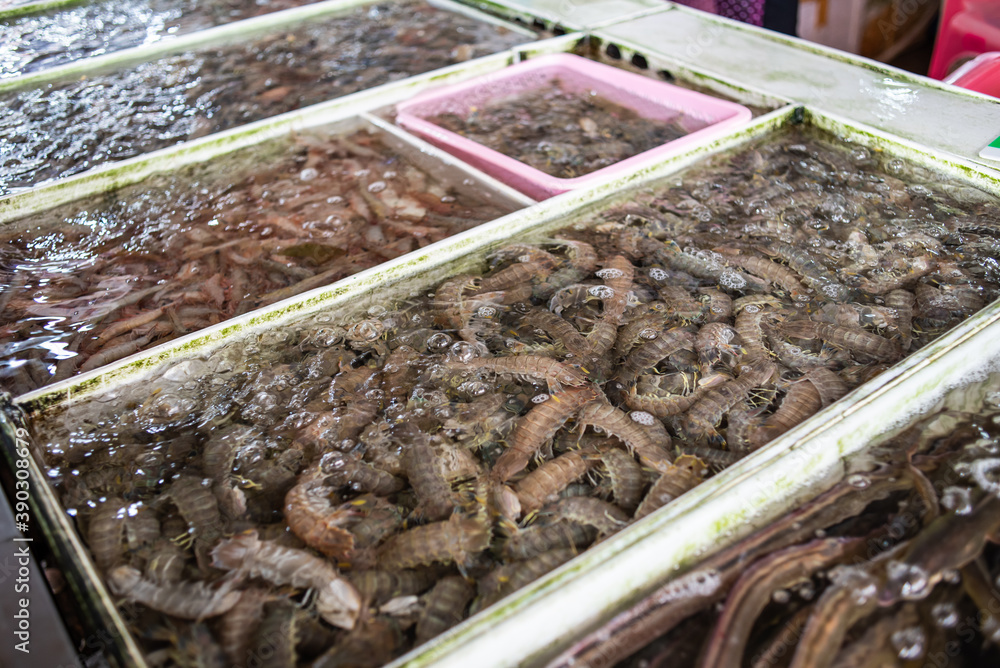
(336, 492)
(896, 565)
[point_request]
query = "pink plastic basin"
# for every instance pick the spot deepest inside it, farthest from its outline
(706, 116)
(966, 29)
(981, 74)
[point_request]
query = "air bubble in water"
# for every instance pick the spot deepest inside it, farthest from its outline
(648, 334)
(376, 186)
(487, 312)
(325, 337)
(366, 330)
(945, 614)
(963, 469)
(377, 311)
(908, 580)
(186, 370)
(985, 473)
(862, 587)
(308, 174)
(474, 388)
(992, 399)
(463, 351)
(693, 584)
(861, 154)
(166, 408)
(751, 308)
(264, 400)
(781, 596)
(438, 342)
(643, 418)
(540, 398)
(909, 643)
(951, 576)
(858, 480)
(275, 337)
(806, 590)
(957, 499)
(989, 446)
(658, 274)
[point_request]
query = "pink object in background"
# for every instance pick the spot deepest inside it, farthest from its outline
(981, 74)
(967, 28)
(747, 11)
(703, 5)
(706, 116)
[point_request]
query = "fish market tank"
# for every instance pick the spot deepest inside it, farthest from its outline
(104, 277)
(896, 564)
(420, 454)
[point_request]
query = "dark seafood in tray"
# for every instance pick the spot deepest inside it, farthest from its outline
(897, 565)
(562, 133)
(67, 128)
(418, 462)
(95, 27)
(92, 282)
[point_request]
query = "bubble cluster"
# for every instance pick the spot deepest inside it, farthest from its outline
(609, 273)
(601, 291)
(732, 280)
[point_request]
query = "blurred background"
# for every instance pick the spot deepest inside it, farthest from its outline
(899, 32)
